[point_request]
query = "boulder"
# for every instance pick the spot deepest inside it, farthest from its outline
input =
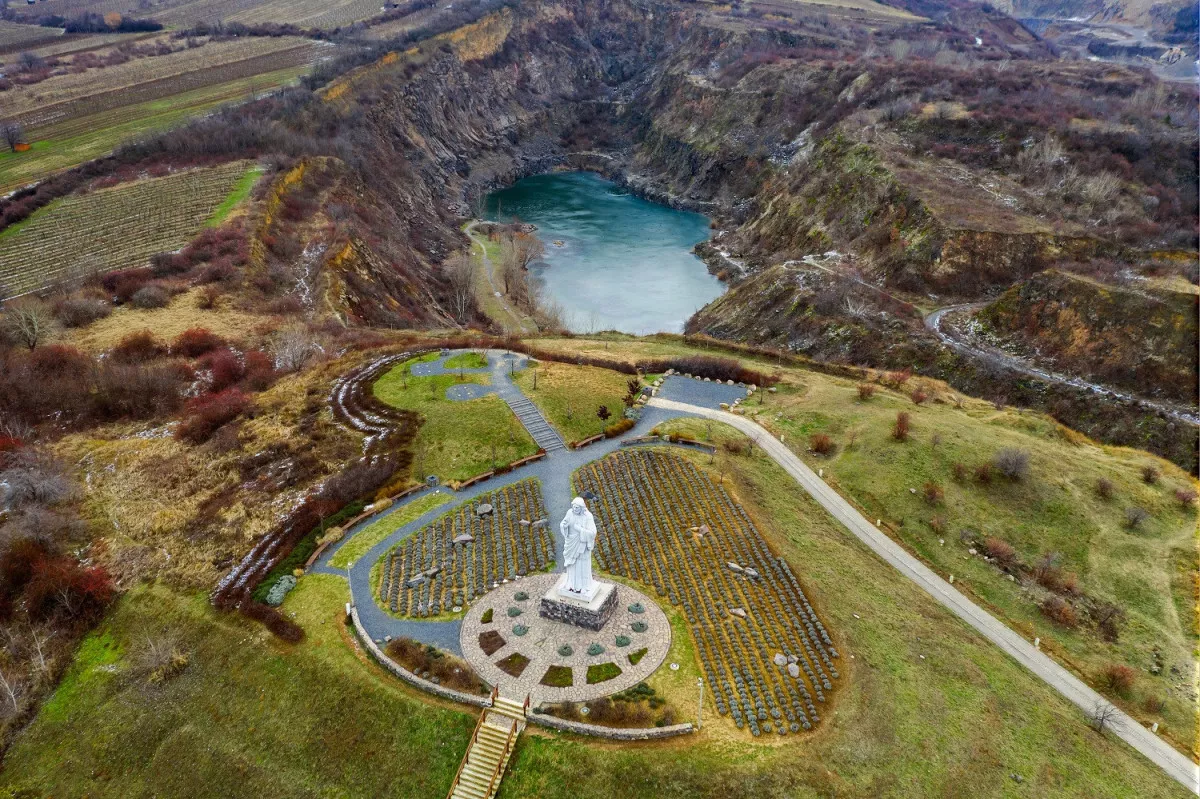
(749, 572)
(484, 509)
(780, 659)
(739, 612)
(465, 538)
(793, 670)
(734, 566)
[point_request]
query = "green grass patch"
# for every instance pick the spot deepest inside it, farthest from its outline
(304, 549)
(248, 716)
(569, 396)
(514, 664)
(369, 536)
(466, 360)
(240, 191)
(602, 672)
(558, 677)
(457, 440)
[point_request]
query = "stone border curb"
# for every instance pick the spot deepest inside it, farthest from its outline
(616, 733)
(408, 676)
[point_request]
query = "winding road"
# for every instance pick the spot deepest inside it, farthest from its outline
(959, 344)
(682, 397)
(1124, 726)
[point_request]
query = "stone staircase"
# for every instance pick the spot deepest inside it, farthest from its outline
(491, 746)
(543, 434)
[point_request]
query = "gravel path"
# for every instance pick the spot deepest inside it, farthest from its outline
(1128, 729)
(554, 472)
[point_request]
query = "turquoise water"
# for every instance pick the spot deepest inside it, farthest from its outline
(624, 263)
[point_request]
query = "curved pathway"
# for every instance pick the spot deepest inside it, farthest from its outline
(522, 325)
(959, 344)
(554, 472)
(1128, 729)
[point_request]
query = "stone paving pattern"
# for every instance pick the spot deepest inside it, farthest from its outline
(544, 637)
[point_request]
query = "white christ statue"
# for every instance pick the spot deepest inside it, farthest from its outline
(578, 529)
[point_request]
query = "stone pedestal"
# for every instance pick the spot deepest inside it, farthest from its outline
(592, 614)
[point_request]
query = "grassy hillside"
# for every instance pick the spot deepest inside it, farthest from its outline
(927, 705)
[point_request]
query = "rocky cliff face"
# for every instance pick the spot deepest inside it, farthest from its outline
(1138, 337)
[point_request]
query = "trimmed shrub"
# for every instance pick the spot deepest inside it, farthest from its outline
(635, 657)
(1012, 463)
(900, 429)
(566, 651)
(487, 617)
(618, 427)
(205, 415)
(514, 612)
(865, 391)
(1150, 474)
(595, 649)
(821, 443)
(622, 640)
(639, 626)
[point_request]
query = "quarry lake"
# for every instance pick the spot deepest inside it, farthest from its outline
(613, 261)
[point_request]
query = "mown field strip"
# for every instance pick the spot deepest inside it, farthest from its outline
(83, 138)
(112, 228)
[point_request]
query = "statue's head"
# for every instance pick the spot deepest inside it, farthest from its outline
(578, 505)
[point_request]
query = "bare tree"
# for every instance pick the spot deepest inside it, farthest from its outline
(13, 687)
(13, 133)
(293, 348)
(1103, 716)
(460, 271)
(28, 321)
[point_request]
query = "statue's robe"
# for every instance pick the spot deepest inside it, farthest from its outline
(579, 534)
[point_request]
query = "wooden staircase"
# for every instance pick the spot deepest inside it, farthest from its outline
(491, 746)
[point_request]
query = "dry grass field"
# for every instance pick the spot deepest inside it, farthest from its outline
(305, 13)
(112, 228)
(15, 37)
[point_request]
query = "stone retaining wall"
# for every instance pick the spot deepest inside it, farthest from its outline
(616, 733)
(408, 676)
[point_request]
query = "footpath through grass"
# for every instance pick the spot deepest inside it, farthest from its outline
(238, 194)
(457, 439)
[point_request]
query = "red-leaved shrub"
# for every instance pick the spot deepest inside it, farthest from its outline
(226, 367)
(196, 341)
(138, 347)
(204, 415)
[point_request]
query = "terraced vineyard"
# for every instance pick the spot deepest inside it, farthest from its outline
(70, 96)
(765, 654)
(462, 554)
(304, 13)
(112, 228)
